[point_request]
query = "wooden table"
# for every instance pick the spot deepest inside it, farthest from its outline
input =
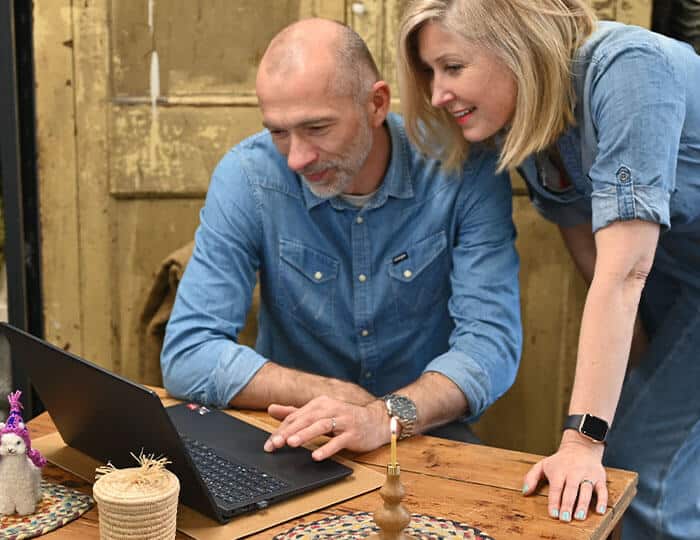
(478, 485)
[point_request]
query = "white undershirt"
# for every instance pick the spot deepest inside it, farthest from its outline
(357, 200)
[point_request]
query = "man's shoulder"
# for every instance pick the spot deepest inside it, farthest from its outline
(256, 160)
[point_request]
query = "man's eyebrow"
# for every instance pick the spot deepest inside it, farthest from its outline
(305, 123)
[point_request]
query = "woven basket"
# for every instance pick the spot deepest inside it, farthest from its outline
(137, 503)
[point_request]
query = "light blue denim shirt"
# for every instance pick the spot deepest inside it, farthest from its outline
(635, 151)
(424, 277)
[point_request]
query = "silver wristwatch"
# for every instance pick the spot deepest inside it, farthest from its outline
(404, 409)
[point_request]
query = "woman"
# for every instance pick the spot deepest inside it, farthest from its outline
(603, 122)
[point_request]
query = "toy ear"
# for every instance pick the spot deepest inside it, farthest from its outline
(2, 425)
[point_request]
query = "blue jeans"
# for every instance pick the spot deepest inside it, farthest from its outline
(656, 431)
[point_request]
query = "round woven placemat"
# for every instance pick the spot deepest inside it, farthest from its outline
(358, 525)
(58, 506)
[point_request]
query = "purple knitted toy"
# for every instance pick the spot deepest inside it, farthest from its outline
(20, 464)
(15, 425)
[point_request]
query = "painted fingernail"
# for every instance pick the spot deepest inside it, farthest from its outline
(525, 488)
(601, 509)
(580, 514)
(554, 513)
(566, 516)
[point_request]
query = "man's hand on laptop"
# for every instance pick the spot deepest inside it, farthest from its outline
(349, 426)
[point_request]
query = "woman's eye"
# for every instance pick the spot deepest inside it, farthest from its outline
(453, 68)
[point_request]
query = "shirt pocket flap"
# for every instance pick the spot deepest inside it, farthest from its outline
(418, 257)
(311, 263)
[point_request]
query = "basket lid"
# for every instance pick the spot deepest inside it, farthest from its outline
(151, 481)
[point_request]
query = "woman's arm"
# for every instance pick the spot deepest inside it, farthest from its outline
(624, 253)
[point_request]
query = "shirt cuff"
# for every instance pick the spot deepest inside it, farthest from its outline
(237, 365)
(623, 203)
(469, 376)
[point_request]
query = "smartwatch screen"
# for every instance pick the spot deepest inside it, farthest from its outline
(594, 427)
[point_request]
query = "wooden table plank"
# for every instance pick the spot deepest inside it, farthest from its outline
(502, 513)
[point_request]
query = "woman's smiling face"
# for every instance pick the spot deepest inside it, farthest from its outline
(468, 81)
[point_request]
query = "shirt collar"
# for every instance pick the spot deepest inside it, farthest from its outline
(397, 180)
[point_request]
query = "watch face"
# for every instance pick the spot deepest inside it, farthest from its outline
(402, 407)
(594, 427)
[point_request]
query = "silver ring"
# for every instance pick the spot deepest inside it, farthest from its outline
(333, 424)
(587, 481)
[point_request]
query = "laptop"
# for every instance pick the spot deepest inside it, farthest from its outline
(220, 461)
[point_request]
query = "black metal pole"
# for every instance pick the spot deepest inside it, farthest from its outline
(19, 179)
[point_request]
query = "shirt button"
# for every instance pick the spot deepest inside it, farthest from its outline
(359, 220)
(365, 333)
(407, 274)
(368, 375)
(318, 276)
(362, 278)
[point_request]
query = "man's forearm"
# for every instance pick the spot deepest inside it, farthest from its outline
(278, 384)
(438, 400)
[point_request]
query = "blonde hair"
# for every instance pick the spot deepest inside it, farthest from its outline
(535, 39)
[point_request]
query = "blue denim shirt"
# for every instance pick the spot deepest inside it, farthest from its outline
(423, 278)
(635, 151)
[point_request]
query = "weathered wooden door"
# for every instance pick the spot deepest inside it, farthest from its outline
(137, 101)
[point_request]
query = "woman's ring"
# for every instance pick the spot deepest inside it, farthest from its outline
(333, 424)
(584, 481)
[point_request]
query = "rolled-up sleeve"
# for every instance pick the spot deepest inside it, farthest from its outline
(637, 104)
(486, 342)
(201, 359)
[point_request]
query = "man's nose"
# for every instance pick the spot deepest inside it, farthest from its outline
(301, 154)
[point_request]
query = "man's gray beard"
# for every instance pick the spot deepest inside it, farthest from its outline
(346, 169)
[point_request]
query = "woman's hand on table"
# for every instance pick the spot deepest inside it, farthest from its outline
(574, 473)
(349, 426)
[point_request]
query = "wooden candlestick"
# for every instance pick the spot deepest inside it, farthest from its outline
(392, 517)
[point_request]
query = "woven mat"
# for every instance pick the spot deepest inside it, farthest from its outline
(58, 506)
(358, 525)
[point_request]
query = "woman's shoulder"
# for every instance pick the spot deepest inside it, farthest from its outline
(612, 39)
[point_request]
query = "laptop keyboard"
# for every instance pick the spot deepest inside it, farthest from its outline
(230, 482)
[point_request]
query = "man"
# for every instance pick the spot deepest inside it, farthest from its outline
(381, 276)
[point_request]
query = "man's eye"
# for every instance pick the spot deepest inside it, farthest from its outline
(277, 133)
(317, 130)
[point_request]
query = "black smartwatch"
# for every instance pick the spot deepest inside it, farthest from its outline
(592, 427)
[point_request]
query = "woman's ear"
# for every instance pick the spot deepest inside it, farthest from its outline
(379, 103)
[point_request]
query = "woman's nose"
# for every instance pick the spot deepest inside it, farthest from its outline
(440, 95)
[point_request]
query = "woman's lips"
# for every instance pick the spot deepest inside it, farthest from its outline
(463, 117)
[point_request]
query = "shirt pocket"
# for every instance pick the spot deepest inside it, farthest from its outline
(308, 283)
(420, 275)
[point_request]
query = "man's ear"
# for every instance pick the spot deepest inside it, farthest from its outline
(379, 103)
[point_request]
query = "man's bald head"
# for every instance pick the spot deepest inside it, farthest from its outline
(322, 47)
